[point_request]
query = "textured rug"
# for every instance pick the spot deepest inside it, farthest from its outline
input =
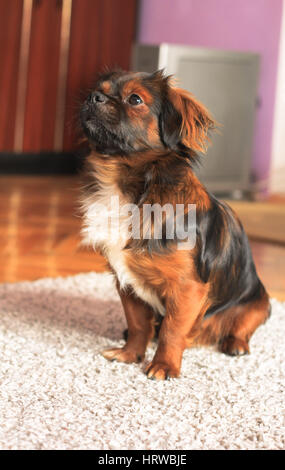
(58, 392)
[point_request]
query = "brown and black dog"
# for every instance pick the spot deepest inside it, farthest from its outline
(144, 134)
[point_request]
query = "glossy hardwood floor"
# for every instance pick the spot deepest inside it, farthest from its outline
(40, 224)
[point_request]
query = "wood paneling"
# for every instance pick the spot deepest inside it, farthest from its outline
(102, 33)
(42, 76)
(10, 34)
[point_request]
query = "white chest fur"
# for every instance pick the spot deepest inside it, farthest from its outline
(106, 225)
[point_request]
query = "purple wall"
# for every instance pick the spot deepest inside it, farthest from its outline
(244, 25)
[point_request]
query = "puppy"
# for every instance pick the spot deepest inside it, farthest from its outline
(144, 134)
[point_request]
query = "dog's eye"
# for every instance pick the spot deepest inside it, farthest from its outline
(134, 100)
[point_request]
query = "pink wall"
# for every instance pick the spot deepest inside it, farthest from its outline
(245, 25)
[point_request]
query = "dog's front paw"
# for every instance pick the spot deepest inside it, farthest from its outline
(161, 371)
(122, 355)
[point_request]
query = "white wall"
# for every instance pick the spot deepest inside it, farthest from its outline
(277, 172)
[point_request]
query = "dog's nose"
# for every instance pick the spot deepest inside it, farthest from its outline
(97, 97)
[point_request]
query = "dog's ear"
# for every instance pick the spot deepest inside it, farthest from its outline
(184, 121)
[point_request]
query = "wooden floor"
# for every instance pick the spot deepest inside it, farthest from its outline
(263, 220)
(39, 233)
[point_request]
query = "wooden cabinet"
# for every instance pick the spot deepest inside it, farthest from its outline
(42, 76)
(50, 54)
(10, 38)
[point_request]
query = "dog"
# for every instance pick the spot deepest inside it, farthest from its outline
(145, 135)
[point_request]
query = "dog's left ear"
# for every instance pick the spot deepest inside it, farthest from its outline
(184, 121)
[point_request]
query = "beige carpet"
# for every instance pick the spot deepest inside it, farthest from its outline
(57, 392)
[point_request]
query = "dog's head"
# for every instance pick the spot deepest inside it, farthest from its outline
(130, 112)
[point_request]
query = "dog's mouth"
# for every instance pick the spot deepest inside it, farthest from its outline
(95, 130)
(94, 121)
(91, 123)
(99, 135)
(105, 133)
(87, 117)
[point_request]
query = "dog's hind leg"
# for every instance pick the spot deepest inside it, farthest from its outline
(231, 329)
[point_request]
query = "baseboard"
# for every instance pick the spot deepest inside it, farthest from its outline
(43, 163)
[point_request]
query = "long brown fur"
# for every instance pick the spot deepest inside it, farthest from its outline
(146, 152)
